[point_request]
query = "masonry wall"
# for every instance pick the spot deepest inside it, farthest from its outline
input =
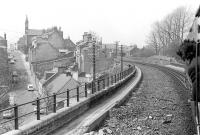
(5, 78)
(40, 67)
(44, 52)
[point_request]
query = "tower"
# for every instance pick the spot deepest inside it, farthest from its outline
(26, 25)
(26, 35)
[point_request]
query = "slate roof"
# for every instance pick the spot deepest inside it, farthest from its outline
(69, 45)
(59, 83)
(70, 85)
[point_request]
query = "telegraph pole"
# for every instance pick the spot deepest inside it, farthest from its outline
(116, 48)
(121, 58)
(105, 51)
(197, 87)
(94, 65)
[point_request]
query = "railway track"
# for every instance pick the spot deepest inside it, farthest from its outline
(168, 96)
(180, 77)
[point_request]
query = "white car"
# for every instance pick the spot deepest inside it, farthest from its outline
(30, 87)
(8, 114)
(12, 61)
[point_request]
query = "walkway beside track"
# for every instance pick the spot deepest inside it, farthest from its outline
(94, 116)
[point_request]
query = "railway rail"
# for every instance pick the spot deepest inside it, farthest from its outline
(183, 119)
(181, 80)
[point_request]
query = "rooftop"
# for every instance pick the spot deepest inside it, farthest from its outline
(1, 38)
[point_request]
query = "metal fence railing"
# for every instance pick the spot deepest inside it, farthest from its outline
(52, 103)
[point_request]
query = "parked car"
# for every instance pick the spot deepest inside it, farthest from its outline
(14, 74)
(8, 114)
(30, 87)
(12, 61)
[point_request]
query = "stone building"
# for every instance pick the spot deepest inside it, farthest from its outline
(3, 61)
(46, 44)
(84, 55)
(4, 73)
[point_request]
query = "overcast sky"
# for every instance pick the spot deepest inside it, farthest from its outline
(127, 21)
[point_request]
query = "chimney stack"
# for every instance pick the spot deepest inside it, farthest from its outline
(5, 36)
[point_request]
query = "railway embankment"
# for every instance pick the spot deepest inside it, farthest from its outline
(158, 106)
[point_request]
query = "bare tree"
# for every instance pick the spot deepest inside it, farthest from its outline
(171, 30)
(153, 43)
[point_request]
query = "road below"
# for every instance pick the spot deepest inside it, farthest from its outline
(19, 90)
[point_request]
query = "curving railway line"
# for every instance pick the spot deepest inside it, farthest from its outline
(159, 106)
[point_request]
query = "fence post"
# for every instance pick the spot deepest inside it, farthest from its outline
(98, 84)
(111, 81)
(104, 85)
(85, 89)
(108, 81)
(67, 97)
(16, 116)
(92, 87)
(124, 73)
(38, 108)
(77, 94)
(54, 102)
(115, 78)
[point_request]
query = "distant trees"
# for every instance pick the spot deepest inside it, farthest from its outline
(143, 52)
(169, 33)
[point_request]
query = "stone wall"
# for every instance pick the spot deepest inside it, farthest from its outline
(40, 67)
(5, 78)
